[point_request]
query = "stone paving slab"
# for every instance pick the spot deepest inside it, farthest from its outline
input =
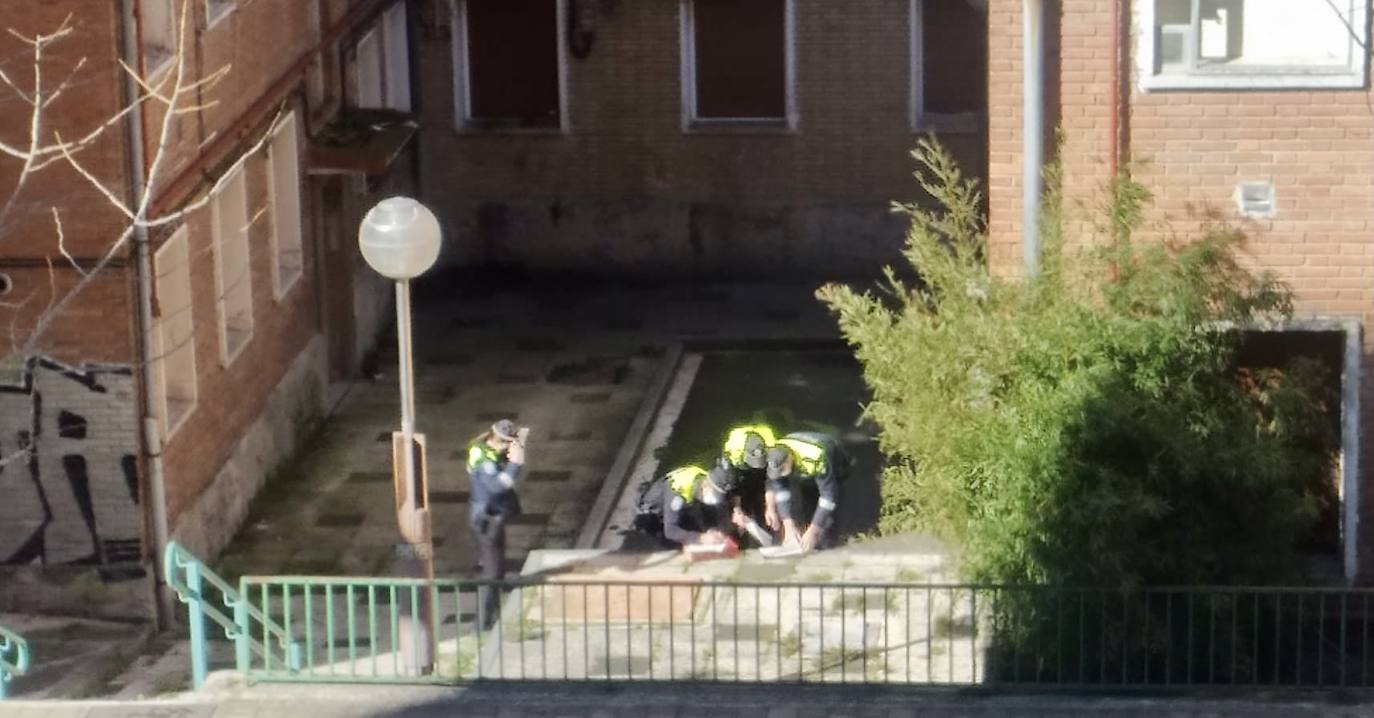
(695, 701)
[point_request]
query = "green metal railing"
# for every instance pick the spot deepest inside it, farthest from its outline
(206, 595)
(322, 629)
(14, 658)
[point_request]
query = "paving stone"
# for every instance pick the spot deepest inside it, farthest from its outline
(448, 497)
(510, 378)
(548, 476)
(538, 344)
(598, 397)
(528, 519)
(579, 435)
(370, 477)
(339, 521)
(623, 324)
(493, 416)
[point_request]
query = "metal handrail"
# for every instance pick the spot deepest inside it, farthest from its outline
(14, 658)
(187, 575)
(358, 629)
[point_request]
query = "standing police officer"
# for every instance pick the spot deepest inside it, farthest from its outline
(494, 461)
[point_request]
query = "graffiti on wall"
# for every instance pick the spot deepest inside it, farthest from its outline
(69, 487)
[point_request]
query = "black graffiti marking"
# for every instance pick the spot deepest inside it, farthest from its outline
(71, 426)
(129, 463)
(75, 466)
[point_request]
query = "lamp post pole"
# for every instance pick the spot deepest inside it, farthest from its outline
(400, 239)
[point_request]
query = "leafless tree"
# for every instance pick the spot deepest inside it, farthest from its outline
(166, 95)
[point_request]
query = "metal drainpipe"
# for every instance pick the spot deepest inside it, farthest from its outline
(152, 438)
(1032, 129)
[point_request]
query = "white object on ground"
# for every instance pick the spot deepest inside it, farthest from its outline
(763, 537)
(784, 551)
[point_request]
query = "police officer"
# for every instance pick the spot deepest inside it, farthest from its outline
(802, 462)
(495, 459)
(690, 506)
(744, 452)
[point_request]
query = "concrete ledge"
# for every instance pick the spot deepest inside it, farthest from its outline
(614, 485)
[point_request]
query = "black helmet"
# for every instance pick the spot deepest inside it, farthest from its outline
(724, 480)
(754, 450)
(779, 462)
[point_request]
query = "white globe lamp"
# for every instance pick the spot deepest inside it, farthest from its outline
(399, 238)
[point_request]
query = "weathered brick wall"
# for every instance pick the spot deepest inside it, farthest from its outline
(1193, 147)
(231, 397)
(627, 189)
(99, 326)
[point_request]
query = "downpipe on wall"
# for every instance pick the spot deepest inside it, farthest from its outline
(1032, 129)
(152, 435)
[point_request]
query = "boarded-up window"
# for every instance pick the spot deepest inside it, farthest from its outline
(233, 278)
(508, 54)
(175, 358)
(739, 58)
(948, 65)
(284, 198)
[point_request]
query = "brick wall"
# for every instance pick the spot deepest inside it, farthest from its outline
(627, 188)
(1316, 147)
(99, 325)
(230, 397)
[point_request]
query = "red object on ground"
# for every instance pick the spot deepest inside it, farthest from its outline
(729, 549)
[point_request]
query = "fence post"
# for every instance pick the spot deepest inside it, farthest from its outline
(242, 631)
(197, 625)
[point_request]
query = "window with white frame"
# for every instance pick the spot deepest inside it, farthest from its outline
(396, 41)
(233, 275)
(174, 337)
(284, 198)
(157, 24)
(368, 72)
(1253, 43)
(948, 65)
(508, 64)
(737, 62)
(217, 9)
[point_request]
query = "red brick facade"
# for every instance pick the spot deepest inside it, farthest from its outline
(1192, 148)
(624, 187)
(265, 48)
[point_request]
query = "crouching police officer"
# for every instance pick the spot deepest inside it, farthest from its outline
(804, 463)
(744, 452)
(690, 506)
(495, 459)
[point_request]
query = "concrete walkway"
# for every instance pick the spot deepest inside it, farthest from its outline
(573, 364)
(689, 701)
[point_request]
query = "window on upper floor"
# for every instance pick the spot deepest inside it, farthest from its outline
(507, 62)
(948, 65)
(1241, 44)
(396, 57)
(174, 334)
(215, 10)
(737, 62)
(233, 270)
(368, 71)
(284, 198)
(157, 25)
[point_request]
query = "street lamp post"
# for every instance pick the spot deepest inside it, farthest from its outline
(400, 239)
